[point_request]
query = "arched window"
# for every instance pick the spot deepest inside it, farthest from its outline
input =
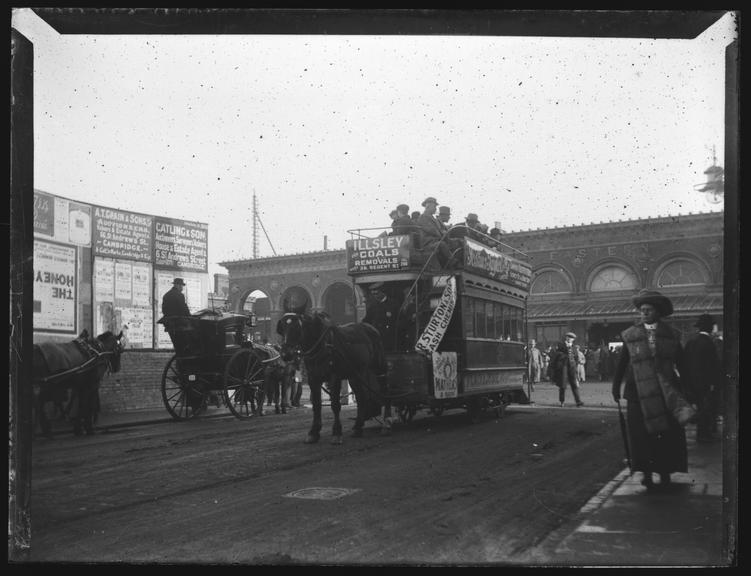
(614, 278)
(549, 282)
(680, 273)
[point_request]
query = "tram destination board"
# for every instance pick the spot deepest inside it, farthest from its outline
(384, 253)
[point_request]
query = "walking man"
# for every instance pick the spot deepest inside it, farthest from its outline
(534, 364)
(563, 369)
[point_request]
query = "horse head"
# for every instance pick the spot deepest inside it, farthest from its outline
(115, 345)
(290, 328)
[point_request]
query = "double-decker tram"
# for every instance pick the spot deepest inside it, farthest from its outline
(454, 335)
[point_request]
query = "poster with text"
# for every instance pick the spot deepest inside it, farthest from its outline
(122, 234)
(123, 284)
(55, 287)
(44, 214)
(138, 324)
(141, 280)
(181, 245)
(104, 280)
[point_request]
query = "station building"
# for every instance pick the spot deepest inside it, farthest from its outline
(583, 277)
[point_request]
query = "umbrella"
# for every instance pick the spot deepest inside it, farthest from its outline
(624, 434)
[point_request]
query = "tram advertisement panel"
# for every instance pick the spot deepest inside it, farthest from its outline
(445, 375)
(499, 266)
(439, 321)
(385, 253)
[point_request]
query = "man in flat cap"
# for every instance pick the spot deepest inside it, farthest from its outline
(432, 232)
(703, 377)
(650, 360)
(563, 369)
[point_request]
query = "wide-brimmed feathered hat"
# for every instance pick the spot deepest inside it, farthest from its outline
(662, 303)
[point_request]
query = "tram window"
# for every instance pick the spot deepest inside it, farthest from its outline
(469, 324)
(489, 320)
(498, 320)
(480, 331)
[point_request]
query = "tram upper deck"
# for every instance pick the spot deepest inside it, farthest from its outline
(373, 256)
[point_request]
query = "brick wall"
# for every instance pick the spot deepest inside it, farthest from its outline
(138, 384)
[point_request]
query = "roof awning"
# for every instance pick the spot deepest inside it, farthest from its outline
(682, 305)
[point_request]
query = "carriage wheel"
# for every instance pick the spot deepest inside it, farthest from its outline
(183, 399)
(406, 413)
(243, 377)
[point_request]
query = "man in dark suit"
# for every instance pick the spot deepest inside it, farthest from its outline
(432, 232)
(403, 224)
(703, 377)
(177, 326)
(173, 301)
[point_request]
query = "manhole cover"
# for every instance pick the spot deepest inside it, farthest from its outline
(322, 493)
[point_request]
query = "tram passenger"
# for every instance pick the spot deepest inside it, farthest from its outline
(402, 224)
(393, 215)
(432, 232)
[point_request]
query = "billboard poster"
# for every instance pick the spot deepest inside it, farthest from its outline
(123, 284)
(119, 234)
(141, 279)
(497, 265)
(55, 287)
(181, 245)
(385, 253)
(44, 214)
(104, 280)
(138, 323)
(79, 224)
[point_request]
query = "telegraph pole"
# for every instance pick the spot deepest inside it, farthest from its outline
(255, 225)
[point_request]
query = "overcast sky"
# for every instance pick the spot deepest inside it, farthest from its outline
(332, 132)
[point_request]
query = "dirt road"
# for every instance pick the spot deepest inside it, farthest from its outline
(437, 491)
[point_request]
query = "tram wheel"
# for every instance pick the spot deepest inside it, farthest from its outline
(182, 398)
(243, 377)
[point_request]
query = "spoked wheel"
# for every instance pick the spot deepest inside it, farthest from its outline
(182, 398)
(406, 413)
(243, 377)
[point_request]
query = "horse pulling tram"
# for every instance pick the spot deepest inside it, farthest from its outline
(214, 358)
(453, 335)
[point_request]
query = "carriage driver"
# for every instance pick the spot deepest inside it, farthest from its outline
(175, 308)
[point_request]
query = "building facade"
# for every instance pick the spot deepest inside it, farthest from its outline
(583, 277)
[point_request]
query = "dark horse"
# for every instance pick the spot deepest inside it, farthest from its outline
(77, 366)
(332, 353)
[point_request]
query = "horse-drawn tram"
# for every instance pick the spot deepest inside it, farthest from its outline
(214, 358)
(453, 334)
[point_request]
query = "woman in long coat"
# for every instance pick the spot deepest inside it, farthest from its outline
(650, 356)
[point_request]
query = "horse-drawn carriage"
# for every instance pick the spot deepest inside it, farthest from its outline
(214, 358)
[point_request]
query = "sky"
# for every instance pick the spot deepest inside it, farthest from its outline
(332, 132)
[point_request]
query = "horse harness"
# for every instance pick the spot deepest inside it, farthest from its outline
(93, 350)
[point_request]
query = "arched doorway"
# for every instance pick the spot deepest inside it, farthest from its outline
(338, 302)
(296, 299)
